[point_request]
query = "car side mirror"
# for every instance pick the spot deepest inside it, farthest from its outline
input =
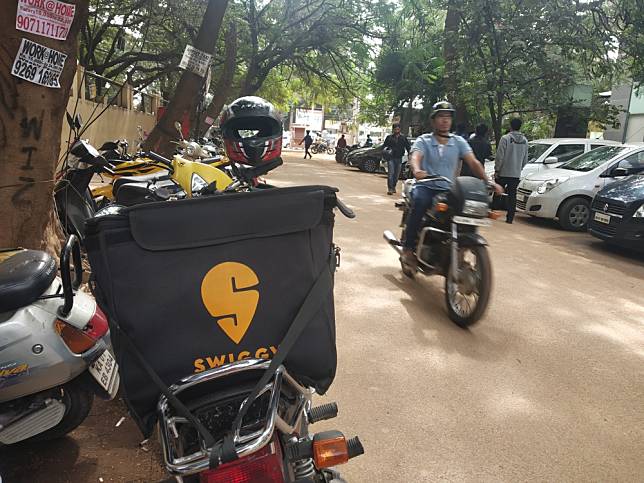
(619, 172)
(551, 160)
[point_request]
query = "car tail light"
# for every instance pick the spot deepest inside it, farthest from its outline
(78, 340)
(263, 466)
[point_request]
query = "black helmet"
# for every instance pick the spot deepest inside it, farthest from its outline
(442, 106)
(252, 130)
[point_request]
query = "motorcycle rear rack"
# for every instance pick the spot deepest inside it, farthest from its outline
(183, 465)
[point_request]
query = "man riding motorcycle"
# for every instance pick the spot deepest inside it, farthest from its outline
(435, 154)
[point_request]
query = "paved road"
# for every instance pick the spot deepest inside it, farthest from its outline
(549, 386)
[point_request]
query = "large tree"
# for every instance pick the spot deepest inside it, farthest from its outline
(190, 87)
(521, 57)
(31, 118)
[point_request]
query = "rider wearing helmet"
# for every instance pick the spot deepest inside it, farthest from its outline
(435, 154)
(251, 129)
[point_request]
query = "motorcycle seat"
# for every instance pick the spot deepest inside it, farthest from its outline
(24, 276)
(144, 178)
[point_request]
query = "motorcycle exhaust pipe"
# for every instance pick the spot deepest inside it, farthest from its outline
(393, 241)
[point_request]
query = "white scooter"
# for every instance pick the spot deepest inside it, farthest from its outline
(54, 346)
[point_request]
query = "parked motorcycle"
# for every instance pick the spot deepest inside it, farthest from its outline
(322, 146)
(55, 350)
(449, 244)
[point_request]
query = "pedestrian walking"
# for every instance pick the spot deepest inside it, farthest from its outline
(369, 142)
(480, 146)
(308, 141)
(511, 157)
(395, 144)
(342, 143)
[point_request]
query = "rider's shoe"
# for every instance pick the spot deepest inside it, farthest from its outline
(409, 263)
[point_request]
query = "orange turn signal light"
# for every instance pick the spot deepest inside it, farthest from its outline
(495, 215)
(330, 449)
(77, 341)
(442, 207)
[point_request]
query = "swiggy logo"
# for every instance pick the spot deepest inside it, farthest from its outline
(229, 293)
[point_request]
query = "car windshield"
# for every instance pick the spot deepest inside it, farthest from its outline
(593, 159)
(535, 150)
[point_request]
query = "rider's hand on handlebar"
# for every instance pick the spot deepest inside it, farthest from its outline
(420, 174)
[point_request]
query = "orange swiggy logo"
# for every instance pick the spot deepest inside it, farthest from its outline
(229, 292)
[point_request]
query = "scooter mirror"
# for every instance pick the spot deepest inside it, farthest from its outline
(78, 121)
(177, 126)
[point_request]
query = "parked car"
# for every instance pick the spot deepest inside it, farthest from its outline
(544, 154)
(618, 212)
(566, 192)
(366, 159)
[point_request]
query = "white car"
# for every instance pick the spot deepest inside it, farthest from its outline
(566, 192)
(544, 154)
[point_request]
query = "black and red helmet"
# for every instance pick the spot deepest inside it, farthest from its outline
(252, 131)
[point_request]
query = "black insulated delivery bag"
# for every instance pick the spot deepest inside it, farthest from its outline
(195, 284)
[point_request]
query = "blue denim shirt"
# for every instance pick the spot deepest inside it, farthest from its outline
(435, 164)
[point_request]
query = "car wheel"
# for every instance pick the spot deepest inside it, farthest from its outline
(370, 165)
(574, 214)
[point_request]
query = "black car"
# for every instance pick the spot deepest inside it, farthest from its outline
(618, 213)
(366, 159)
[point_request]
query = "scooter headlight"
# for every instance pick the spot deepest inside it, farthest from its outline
(197, 183)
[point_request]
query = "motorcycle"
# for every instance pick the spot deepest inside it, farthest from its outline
(180, 179)
(272, 440)
(449, 244)
(321, 146)
(54, 357)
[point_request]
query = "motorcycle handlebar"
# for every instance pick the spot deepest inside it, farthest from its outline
(158, 158)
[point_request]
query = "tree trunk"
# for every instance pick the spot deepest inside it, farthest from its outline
(224, 84)
(451, 63)
(31, 118)
(185, 97)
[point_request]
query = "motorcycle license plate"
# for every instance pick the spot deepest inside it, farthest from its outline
(105, 371)
(464, 220)
(602, 218)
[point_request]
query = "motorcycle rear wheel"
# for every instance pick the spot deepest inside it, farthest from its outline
(466, 302)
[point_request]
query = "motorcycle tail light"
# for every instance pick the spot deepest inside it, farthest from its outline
(442, 207)
(263, 466)
(97, 326)
(77, 340)
(330, 449)
(495, 215)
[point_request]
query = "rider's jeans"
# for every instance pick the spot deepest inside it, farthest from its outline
(422, 197)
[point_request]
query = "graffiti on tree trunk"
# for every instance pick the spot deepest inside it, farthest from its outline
(30, 129)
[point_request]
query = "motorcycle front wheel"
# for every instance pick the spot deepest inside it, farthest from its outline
(330, 151)
(468, 297)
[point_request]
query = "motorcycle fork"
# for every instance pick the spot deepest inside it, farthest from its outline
(454, 265)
